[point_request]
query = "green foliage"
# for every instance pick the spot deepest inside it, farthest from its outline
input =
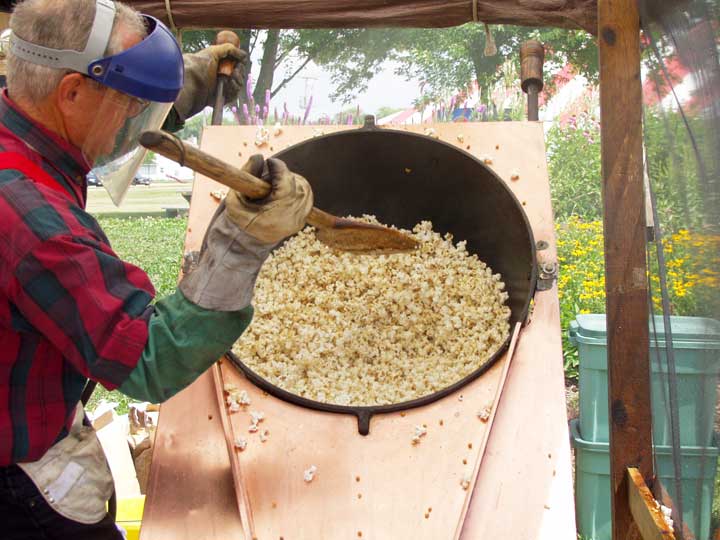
(193, 127)
(444, 59)
(155, 245)
(574, 166)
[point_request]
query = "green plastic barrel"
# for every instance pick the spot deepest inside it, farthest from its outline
(696, 344)
(592, 485)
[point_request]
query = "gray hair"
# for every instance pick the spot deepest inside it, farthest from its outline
(59, 24)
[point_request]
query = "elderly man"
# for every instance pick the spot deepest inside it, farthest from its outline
(85, 77)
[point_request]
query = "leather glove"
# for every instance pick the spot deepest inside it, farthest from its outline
(230, 260)
(279, 215)
(201, 68)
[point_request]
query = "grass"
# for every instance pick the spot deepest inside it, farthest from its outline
(155, 245)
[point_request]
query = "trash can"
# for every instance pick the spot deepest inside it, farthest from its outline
(592, 485)
(696, 343)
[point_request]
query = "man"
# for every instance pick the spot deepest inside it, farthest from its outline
(84, 79)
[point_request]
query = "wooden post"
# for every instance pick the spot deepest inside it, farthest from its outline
(532, 56)
(625, 266)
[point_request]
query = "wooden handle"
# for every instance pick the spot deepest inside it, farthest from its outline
(173, 148)
(532, 57)
(226, 65)
(241, 181)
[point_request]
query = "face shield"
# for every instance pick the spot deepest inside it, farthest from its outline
(133, 92)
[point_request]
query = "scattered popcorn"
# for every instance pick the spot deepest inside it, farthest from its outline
(234, 406)
(257, 417)
(667, 513)
(339, 328)
(487, 160)
(420, 431)
(264, 434)
(484, 413)
(461, 138)
(240, 443)
(430, 132)
(218, 194)
(229, 388)
(277, 129)
(262, 136)
(460, 397)
(514, 175)
(309, 473)
(253, 428)
(244, 398)
(465, 482)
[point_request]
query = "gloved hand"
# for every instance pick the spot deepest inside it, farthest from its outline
(201, 68)
(280, 214)
(241, 235)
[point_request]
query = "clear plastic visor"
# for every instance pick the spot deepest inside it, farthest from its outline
(112, 145)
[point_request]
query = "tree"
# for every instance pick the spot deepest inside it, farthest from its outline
(448, 59)
(444, 59)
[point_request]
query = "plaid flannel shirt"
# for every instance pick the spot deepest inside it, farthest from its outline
(70, 309)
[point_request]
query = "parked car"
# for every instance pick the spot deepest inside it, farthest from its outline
(93, 180)
(141, 181)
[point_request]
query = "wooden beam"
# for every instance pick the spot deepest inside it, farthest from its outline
(625, 267)
(645, 510)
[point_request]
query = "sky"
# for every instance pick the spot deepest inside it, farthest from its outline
(385, 90)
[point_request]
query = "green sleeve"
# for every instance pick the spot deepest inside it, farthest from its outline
(184, 340)
(173, 122)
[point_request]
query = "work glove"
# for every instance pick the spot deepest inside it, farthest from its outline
(279, 215)
(241, 235)
(200, 86)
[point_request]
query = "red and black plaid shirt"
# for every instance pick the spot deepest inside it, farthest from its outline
(69, 307)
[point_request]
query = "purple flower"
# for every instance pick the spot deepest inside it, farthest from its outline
(248, 87)
(246, 112)
(349, 119)
(307, 110)
(267, 98)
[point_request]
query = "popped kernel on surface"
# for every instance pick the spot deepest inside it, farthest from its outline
(373, 330)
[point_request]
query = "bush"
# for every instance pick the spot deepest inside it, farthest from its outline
(574, 166)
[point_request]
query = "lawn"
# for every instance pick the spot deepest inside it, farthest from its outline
(155, 245)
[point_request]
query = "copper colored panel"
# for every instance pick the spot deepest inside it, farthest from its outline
(524, 470)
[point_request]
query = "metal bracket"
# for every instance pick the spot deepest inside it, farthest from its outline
(548, 275)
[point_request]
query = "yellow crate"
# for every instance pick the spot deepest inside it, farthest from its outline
(129, 515)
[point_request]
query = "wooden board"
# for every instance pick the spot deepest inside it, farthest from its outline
(429, 474)
(645, 511)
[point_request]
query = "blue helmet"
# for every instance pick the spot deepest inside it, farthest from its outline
(151, 70)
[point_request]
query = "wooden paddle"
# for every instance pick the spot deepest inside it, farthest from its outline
(225, 69)
(335, 232)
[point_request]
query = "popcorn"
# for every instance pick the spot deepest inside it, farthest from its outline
(357, 330)
(309, 473)
(420, 431)
(240, 443)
